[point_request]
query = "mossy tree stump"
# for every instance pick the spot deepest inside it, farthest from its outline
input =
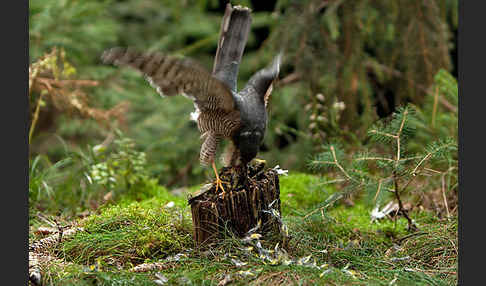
(244, 204)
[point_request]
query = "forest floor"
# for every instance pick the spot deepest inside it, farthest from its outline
(149, 242)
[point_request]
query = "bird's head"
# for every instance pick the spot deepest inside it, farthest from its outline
(249, 144)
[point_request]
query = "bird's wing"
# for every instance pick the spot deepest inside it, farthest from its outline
(171, 76)
(263, 79)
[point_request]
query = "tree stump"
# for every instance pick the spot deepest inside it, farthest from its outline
(247, 201)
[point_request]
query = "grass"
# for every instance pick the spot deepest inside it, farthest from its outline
(344, 247)
(131, 233)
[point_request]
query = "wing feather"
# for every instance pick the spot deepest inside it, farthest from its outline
(172, 76)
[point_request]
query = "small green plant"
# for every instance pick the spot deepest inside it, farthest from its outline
(123, 167)
(388, 167)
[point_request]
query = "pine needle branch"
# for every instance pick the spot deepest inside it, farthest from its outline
(374, 131)
(378, 190)
(333, 152)
(374, 159)
(431, 154)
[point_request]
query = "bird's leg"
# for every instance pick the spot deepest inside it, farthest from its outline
(219, 182)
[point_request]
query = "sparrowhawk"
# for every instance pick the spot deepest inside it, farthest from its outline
(221, 112)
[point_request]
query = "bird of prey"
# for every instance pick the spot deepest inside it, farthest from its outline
(220, 111)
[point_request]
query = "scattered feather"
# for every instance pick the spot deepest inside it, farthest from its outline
(395, 259)
(280, 171)
(352, 273)
(246, 273)
(146, 267)
(271, 204)
(227, 279)
(377, 214)
(161, 279)
(195, 114)
(325, 272)
(259, 224)
(238, 263)
(253, 236)
(284, 230)
(247, 249)
(176, 257)
(287, 262)
(170, 204)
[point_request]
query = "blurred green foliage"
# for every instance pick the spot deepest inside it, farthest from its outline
(359, 60)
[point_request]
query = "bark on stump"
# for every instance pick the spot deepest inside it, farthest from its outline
(244, 204)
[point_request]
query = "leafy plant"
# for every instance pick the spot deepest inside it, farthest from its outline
(120, 168)
(82, 28)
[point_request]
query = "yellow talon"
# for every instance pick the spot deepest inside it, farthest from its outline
(219, 182)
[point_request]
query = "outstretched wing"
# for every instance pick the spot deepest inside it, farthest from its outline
(262, 81)
(171, 76)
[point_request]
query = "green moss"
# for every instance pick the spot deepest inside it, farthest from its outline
(358, 218)
(132, 232)
(152, 190)
(300, 192)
